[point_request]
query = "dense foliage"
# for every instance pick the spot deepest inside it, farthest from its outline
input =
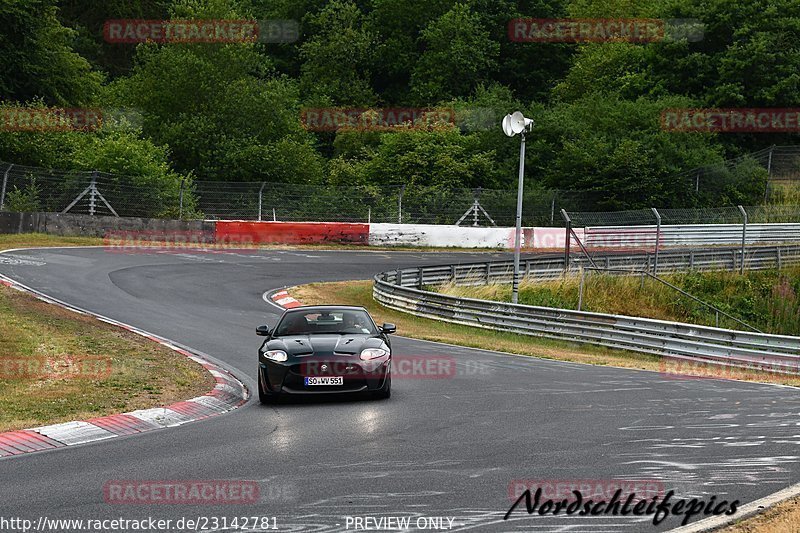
(232, 111)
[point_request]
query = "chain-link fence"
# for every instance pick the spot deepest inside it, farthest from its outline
(25, 188)
(98, 193)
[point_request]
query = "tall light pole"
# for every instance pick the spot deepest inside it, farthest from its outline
(514, 124)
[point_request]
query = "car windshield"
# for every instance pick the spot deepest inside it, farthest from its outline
(331, 322)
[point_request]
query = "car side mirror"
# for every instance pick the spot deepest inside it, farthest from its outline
(263, 331)
(388, 328)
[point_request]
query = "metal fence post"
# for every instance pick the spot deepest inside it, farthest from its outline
(580, 290)
(274, 215)
(93, 194)
(180, 208)
(769, 173)
(553, 209)
(744, 236)
(369, 214)
(260, 198)
(569, 238)
(658, 240)
(400, 204)
(3, 190)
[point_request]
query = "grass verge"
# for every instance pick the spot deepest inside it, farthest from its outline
(58, 366)
(766, 299)
(782, 518)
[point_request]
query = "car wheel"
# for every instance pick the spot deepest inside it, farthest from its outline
(384, 392)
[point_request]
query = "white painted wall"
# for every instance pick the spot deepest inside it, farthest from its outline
(439, 235)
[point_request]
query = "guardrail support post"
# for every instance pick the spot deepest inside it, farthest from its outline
(452, 273)
(744, 236)
(658, 240)
(488, 272)
(568, 221)
(398, 277)
(778, 253)
(419, 278)
(3, 190)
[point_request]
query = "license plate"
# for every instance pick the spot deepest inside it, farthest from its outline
(328, 380)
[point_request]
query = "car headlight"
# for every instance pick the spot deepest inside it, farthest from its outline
(276, 355)
(373, 353)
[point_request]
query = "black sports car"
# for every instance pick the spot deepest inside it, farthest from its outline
(324, 350)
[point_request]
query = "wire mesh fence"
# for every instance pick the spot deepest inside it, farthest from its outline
(26, 188)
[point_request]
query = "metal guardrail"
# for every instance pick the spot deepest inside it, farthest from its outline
(690, 235)
(402, 289)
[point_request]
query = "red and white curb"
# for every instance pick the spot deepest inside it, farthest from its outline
(228, 394)
(283, 299)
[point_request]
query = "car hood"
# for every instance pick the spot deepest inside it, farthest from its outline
(324, 345)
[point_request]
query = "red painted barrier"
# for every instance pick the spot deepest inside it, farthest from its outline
(244, 233)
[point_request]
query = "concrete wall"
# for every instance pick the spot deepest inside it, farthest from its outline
(444, 236)
(69, 225)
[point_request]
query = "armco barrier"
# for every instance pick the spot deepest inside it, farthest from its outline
(688, 235)
(236, 232)
(403, 290)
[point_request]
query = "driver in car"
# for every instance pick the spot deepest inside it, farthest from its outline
(350, 324)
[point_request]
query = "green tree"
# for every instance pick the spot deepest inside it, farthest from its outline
(338, 59)
(37, 59)
(216, 104)
(459, 54)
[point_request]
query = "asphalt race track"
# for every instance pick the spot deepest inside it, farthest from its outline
(438, 448)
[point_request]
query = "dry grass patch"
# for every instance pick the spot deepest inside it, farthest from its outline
(783, 518)
(57, 366)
